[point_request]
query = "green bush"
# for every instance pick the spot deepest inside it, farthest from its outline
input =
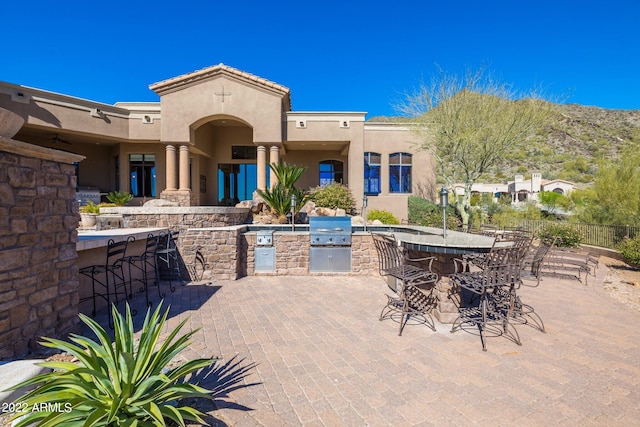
(90, 207)
(334, 196)
(382, 216)
(115, 382)
(428, 214)
(120, 198)
(566, 236)
(630, 250)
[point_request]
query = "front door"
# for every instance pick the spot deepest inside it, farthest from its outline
(236, 182)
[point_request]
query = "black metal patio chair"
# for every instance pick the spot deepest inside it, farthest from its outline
(488, 299)
(414, 286)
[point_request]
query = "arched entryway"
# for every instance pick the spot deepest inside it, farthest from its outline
(225, 161)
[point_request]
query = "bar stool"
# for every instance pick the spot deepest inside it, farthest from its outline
(108, 280)
(167, 254)
(145, 263)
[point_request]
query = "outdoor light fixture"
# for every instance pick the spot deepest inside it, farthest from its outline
(293, 212)
(365, 202)
(444, 202)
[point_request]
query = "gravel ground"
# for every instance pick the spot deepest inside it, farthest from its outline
(622, 282)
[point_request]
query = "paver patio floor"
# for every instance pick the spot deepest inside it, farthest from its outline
(310, 351)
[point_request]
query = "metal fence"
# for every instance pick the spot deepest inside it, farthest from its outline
(605, 236)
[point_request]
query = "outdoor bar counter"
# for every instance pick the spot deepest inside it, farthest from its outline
(92, 250)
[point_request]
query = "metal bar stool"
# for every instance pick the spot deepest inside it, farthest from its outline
(145, 264)
(167, 254)
(108, 280)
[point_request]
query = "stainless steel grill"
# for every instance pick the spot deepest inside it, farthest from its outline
(330, 230)
(330, 249)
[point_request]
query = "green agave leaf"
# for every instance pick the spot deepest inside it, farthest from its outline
(191, 414)
(155, 413)
(149, 386)
(172, 413)
(152, 328)
(188, 367)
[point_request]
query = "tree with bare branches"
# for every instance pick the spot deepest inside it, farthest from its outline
(470, 125)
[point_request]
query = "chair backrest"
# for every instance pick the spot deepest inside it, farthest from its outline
(389, 254)
(503, 263)
(151, 244)
(538, 258)
(116, 250)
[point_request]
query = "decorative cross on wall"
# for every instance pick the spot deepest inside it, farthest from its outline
(222, 94)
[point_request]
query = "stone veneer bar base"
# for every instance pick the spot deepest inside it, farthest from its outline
(38, 221)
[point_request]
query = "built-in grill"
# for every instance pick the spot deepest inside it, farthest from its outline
(330, 249)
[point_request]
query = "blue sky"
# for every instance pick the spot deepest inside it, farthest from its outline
(333, 55)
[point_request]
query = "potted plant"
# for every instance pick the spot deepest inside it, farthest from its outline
(88, 214)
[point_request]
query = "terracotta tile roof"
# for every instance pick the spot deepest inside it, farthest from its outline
(175, 83)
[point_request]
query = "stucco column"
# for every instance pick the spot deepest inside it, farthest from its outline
(274, 157)
(184, 167)
(262, 167)
(171, 167)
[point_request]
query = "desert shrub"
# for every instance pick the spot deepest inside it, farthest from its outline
(630, 250)
(278, 198)
(119, 198)
(90, 207)
(334, 196)
(116, 382)
(428, 214)
(384, 217)
(565, 235)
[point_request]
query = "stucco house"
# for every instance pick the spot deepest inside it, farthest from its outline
(210, 137)
(520, 190)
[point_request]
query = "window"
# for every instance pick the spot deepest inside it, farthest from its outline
(236, 182)
(371, 173)
(331, 171)
(244, 152)
(142, 169)
(400, 173)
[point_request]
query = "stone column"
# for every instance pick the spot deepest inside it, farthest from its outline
(262, 167)
(184, 167)
(170, 167)
(274, 157)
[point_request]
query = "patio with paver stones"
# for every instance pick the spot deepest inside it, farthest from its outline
(311, 351)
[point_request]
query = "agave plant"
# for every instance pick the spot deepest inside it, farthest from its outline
(279, 197)
(119, 198)
(115, 383)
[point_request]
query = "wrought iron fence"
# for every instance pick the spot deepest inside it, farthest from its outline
(605, 236)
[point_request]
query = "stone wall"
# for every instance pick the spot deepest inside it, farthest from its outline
(179, 218)
(222, 249)
(230, 253)
(38, 222)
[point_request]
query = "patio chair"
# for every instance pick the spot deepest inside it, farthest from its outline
(167, 254)
(145, 264)
(108, 280)
(413, 285)
(488, 297)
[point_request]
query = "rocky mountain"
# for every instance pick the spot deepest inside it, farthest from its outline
(570, 144)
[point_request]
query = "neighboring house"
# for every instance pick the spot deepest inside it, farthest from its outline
(520, 190)
(210, 138)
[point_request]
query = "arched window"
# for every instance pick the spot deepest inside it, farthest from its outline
(331, 171)
(400, 173)
(372, 173)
